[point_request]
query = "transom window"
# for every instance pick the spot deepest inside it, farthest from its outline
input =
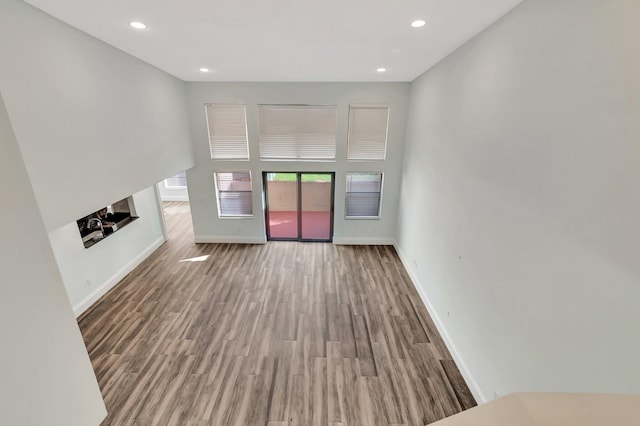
(297, 132)
(227, 125)
(367, 132)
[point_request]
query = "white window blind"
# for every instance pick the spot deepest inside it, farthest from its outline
(227, 126)
(297, 132)
(176, 181)
(367, 132)
(364, 190)
(233, 191)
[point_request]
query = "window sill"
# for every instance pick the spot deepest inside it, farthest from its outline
(362, 217)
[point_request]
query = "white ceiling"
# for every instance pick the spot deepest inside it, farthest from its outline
(284, 40)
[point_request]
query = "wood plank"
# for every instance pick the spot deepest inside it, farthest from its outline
(318, 393)
(363, 345)
(299, 403)
(262, 395)
(335, 384)
(283, 382)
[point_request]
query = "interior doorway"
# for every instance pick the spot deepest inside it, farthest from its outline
(173, 199)
(299, 205)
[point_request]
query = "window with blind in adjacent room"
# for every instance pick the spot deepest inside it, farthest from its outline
(297, 132)
(364, 192)
(178, 181)
(227, 126)
(233, 192)
(367, 132)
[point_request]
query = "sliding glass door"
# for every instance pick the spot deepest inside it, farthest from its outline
(299, 205)
(316, 200)
(281, 191)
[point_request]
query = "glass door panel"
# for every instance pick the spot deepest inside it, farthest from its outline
(282, 206)
(316, 206)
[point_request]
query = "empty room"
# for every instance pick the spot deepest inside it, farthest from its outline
(330, 213)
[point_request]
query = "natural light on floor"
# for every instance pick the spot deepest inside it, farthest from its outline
(196, 259)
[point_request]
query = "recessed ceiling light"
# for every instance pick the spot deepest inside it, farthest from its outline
(381, 69)
(418, 23)
(205, 70)
(137, 25)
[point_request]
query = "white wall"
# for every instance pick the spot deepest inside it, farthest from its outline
(47, 377)
(209, 228)
(521, 197)
(90, 273)
(93, 123)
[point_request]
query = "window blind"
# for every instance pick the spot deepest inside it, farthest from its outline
(364, 190)
(176, 181)
(233, 190)
(297, 132)
(367, 132)
(227, 126)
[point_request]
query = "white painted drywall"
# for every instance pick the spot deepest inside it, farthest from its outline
(47, 377)
(521, 197)
(207, 225)
(88, 273)
(93, 123)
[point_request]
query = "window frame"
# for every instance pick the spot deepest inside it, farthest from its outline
(347, 192)
(350, 127)
(218, 191)
(209, 126)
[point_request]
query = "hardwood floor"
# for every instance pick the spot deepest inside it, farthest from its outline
(276, 334)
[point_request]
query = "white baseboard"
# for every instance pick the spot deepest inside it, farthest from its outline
(210, 239)
(468, 378)
(115, 279)
(363, 241)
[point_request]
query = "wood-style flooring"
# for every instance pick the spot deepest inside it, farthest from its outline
(279, 334)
